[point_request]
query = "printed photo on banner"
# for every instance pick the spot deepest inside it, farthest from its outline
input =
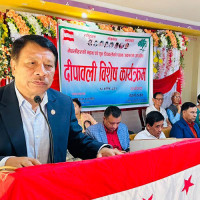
(103, 68)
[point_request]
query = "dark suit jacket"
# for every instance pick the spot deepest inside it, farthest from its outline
(181, 130)
(66, 131)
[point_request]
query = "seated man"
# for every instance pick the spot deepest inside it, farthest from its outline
(154, 125)
(158, 100)
(186, 127)
(111, 131)
(173, 111)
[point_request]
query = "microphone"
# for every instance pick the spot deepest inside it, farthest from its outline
(38, 100)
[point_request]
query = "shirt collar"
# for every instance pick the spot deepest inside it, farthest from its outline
(156, 108)
(190, 124)
(107, 131)
(22, 100)
(149, 134)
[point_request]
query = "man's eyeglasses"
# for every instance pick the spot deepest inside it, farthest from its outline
(159, 99)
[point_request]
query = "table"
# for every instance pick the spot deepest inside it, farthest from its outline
(167, 172)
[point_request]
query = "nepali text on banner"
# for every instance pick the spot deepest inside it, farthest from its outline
(103, 68)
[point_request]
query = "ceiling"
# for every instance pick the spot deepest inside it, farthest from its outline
(186, 11)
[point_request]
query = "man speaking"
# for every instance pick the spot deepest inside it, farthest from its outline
(26, 138)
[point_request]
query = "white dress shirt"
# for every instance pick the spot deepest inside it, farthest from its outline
(162, 111)
(35, 129)
(145, 135)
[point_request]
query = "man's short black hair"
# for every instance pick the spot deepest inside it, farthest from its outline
(154, 116)
(157, 93)
(112, 110)
(77, 102)
(21, 42)
(187, 105)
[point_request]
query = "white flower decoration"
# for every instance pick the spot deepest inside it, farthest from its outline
(138, 30)
(163, 41)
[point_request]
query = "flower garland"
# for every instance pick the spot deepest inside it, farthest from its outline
(157, 61)
(32, 23)
(182, 41)
(5, 50)
(28, 23)
(154, 36)
(21, 23)
(128, 29)
(162, 67)
(3, 31)
(18, 22)
(48, 25)
(105, 27)
(171, 39)
(163, 41)
(5, 70)
(80, 23)
(169, 61)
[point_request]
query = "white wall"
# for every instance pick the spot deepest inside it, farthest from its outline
(191, 87)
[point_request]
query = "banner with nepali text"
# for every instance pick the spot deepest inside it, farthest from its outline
(103, 68)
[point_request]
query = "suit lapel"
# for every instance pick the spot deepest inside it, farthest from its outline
(120, 136)
(188, 130)
(103, 134)
(52, 116)
(197, 130)
(9, 110)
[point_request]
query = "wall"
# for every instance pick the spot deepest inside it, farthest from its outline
(192, 71)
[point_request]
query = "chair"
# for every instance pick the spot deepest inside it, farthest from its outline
(144, 116)
(132, 136)
(132, 119)
(167, 132)
(98, 116)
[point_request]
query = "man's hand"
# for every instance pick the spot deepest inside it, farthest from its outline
(19, 162)
(179, 108)
(106, 152)
(168, 124)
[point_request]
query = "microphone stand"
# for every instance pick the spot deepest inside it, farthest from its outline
(38, 100)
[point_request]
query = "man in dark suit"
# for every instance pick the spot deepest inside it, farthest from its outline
(186, 127)
(24, 134)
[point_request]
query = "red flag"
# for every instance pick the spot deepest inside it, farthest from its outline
(68, 35)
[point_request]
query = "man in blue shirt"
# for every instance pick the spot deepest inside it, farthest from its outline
(174, 110)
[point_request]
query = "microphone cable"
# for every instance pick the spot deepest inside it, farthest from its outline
(38, 100)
